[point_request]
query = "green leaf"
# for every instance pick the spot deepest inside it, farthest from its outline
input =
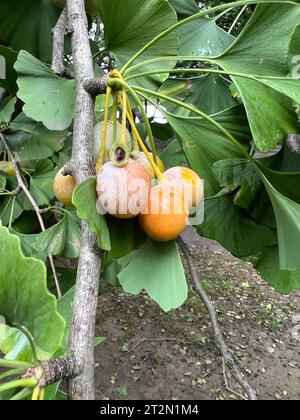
(62, 239)
(9, 83)
(9, 205)
(14, 344)
(283, 281)
(41, 183)
(232, 227)
(203, 37)
(184, 8)
(98, 341)
(7, 110)
(27, 24)
(239, 172)
(85, 200)
(210, 93)
(131, 27)
(65, 309)
(51, 392)
(125, 236)
(2, 182)
(268, 102)
(156, 267)
(173, 155)
(287, 214)
(48, 98)
(66, 277)
(204, 144)
(294, 52)
(24, 298)
(32, 140)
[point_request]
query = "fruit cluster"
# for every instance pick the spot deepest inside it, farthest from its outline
(133, 183)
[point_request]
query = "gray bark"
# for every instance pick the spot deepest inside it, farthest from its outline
(86, 295)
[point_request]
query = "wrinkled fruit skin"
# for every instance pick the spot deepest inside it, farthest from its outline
(142, 160)
(123, 192)
(8, 168)
(64, 187)
(98, 130)
(187, 181)
(167, 214)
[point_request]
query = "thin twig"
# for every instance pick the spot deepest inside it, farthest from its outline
(34, 206)
(157, 339)
(98, 29)
(226, 354)
(226, 383)
(59, 32)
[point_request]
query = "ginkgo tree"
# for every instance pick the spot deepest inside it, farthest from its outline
(59, 103)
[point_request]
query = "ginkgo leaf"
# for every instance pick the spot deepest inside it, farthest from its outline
(85, 200)
(48, 98)
(63, 239)
(157, 268)
(7, 109)
(24, 298)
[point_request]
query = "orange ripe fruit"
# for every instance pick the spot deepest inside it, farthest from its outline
(167, 214)
(63, 188)
(188, 182)
(142, 160)
(123, 191)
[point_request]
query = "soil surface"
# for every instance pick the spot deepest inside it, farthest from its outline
(152, 355)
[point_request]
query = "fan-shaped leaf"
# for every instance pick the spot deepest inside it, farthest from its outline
(48, 98)
(130, 28)
(24, 298)
(156, 267)
(85, 200)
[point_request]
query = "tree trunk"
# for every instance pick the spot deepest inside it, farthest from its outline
(86, 295)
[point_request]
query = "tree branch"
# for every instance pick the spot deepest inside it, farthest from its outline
(89, 265)
(226, 354)
(35, 207)
(59, 32)
(51, 371)
(98, 29)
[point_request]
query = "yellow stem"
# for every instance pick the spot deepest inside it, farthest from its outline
(124, 119)
(155, 168)
(36, 394)
(42, 394)
(135, 142)
(100, 160)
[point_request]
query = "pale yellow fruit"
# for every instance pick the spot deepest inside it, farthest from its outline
(63, 187)
(8, 168)
(98, 134)
(123, 192)
(189, 182)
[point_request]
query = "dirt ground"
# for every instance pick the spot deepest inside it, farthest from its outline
(152, 355)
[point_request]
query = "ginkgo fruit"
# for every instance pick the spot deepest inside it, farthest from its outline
(7, 167)
(187, 181)
(63, 187)
(98, 135)
(142, 160)
(167, 214)
(123, 191)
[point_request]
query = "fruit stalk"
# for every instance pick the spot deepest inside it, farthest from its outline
(104, 134)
